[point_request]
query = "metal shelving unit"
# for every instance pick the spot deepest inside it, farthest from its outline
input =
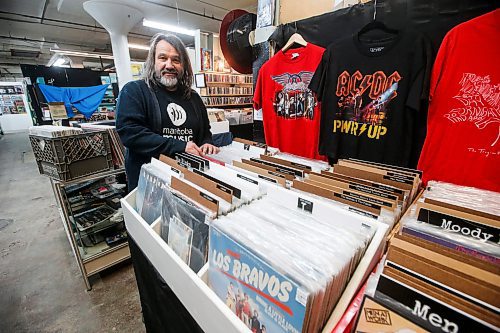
(98, 257)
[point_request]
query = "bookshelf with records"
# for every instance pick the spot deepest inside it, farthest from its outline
(226, 89)
(232, 94)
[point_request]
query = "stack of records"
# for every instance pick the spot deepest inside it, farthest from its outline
(191, 161)
(93, 217)
(313, 165)
(187, 199)
(379, 191)
(184, 227)
(280, 269)
(462, 218)
(442, 273)
(280, 259)
(50, 131)
(281, 171)
(237, 151)
(244, 188)
(117, 148)
(150, 191)
(268, 164)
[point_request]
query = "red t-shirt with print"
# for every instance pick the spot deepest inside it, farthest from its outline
(463, 131)
(290, 110)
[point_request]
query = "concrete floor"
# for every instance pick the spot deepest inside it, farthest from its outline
(41, 288)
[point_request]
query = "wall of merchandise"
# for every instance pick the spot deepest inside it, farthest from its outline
(14, 109)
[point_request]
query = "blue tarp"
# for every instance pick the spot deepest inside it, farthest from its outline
(84, 99)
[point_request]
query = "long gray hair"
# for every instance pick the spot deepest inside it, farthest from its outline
(186, 79)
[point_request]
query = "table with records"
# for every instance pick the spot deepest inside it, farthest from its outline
(231, 212)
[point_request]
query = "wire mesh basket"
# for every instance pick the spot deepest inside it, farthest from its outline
(71, 157)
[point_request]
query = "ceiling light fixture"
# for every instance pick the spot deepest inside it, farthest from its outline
(59, 62)
(82, 54)
(167, 27)
(138, 47)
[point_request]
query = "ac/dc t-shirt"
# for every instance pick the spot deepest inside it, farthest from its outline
(182, 121)
(371, 93)
(290, 110)
(463, 134)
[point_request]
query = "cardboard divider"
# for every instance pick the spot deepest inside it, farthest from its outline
(400, 193)
(269, 168)
(339, 197)
(197, 196)
(217, 189)
(281, 161)
(383, 202)
(280, 167)
(352, 186)
(261, 173)
(460, 212)
(379, 176)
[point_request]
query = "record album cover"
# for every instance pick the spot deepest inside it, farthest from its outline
(184, 227)
(264, 299)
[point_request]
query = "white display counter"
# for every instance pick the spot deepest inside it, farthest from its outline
(12, 123)
(211, 313)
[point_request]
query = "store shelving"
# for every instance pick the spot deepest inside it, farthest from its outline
(227, 90)
(90, 248)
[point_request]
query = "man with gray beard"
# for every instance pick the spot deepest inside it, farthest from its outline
(161, 114)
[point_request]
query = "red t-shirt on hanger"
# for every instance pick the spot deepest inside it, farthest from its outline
(463, 127)
(291, 112)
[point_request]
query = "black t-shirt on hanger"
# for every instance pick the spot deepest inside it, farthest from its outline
(371, 93)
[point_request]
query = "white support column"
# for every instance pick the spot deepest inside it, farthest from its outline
(197, 50)
(117, 19)
(121, 55)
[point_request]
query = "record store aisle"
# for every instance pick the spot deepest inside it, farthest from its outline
(41, 289)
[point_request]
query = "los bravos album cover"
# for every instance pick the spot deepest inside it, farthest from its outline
(264, 299)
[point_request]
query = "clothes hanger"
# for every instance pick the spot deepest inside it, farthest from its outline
(296, 38)
(374, 24)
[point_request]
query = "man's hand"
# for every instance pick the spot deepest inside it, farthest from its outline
(209, 149)
(192, 148)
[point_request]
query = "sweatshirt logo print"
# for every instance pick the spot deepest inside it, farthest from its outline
(177, 114)
(480, 99)
(295, 100)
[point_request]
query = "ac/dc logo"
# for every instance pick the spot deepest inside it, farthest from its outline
(358, 84)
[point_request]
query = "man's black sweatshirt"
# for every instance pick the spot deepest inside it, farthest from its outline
(155, 121)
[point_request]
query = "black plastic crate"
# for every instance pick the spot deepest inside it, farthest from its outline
(71, 157)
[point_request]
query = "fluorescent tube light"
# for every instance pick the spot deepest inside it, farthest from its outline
(82, 54)
(138, 47)
(167, 27)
